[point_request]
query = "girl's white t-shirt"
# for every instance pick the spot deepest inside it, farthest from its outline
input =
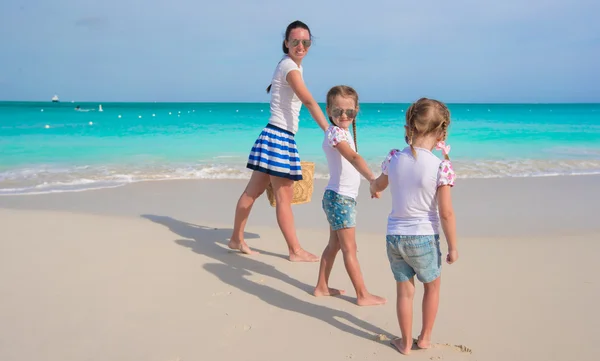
(413, 185)
(344, 179)
(285, 104)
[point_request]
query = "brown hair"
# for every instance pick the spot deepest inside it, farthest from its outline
(346, 92)
(293, 25)
(424, 117)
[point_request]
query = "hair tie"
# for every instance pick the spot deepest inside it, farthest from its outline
(443, 147)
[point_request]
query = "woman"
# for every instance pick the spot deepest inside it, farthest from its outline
(274, 157)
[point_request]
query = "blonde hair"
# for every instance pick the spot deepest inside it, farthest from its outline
(424, 117)
(345, 92)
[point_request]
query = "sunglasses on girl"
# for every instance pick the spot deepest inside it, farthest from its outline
(295, 42)
(350, 113)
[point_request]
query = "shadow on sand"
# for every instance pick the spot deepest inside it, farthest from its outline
(234, 268)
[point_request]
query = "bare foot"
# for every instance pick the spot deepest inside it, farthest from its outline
(327, 291)
(423, 343)
(303, 256)
(241, 246)
(401, 346)
(370, 300)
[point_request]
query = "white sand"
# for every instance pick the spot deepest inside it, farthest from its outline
(142, 273)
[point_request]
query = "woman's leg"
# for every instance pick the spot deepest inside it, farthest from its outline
(256, 186)
(283, 189)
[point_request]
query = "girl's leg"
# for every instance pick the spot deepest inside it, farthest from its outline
(431, 300)
(256, 186)
(404, 309)
(327, 259)
(284, 192)
(347, 237)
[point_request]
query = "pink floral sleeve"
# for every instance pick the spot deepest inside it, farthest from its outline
(386, 162)
(446, 175)
(335, 135)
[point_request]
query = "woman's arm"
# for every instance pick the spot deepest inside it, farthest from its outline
(294, 78)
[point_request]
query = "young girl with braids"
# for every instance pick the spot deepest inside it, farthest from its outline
(339, 199)
(419, 183)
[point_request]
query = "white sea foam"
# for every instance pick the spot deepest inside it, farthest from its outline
(54, 179)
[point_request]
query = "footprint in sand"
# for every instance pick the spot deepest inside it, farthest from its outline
(245, 328)
(435, 347)
(381, 338)
(460, 348)
(448, 347)
(221, 294)
(236, 329)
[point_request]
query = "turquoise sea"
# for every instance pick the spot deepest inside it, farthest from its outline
(52, 147)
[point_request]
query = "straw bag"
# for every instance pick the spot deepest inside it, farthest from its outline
(303, 189)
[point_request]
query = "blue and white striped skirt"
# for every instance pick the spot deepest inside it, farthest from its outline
(275, 153)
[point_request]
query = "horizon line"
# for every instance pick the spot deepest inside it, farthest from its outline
(263, 102)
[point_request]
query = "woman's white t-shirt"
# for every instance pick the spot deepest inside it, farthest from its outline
(285, 104)
(413, 185)
(344, 179)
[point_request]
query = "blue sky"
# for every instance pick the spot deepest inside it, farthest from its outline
(390, 51)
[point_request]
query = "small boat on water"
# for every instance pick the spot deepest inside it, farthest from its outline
(55, 99)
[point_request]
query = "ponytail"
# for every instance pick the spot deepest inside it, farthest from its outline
(284, 48)
(445, 148)
(354, 131)
(285, 51)
(427, 117)
(410, 118)
(412, 149)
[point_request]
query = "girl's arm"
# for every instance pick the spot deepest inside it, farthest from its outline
(294, 78)
(446, 178)
(380, 183)
(355, 159)
(448, 221)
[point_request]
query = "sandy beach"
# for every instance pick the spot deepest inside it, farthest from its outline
(142, 272)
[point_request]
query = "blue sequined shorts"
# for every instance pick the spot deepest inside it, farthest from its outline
(340, 210)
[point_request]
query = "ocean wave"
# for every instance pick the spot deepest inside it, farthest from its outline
(525, 168)
(55, 179)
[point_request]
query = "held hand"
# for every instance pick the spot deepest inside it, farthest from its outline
(452, 256)
(374, 193)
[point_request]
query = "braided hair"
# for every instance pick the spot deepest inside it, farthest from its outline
(345, 92)
(424, 117)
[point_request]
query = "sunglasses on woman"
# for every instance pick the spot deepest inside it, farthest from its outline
(295, 42)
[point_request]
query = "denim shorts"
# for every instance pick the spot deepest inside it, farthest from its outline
(340, 210)
(414, 255)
